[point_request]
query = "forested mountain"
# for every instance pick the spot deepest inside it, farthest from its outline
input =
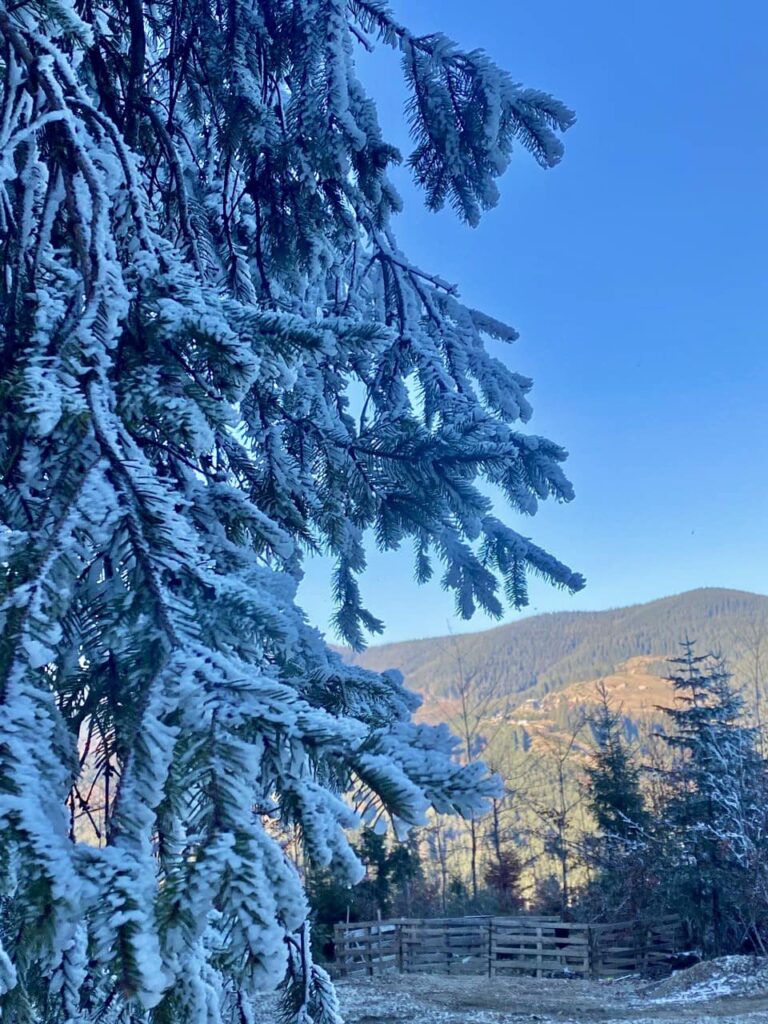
(579, 715)
(544, 653)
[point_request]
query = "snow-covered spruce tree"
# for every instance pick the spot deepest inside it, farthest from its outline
(214, 359)
(715, 827)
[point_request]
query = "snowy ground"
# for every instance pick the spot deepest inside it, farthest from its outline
(733, 990)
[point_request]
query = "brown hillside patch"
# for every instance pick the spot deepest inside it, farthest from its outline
(634, 689)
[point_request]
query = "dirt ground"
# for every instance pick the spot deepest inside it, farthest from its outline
(434, 999)
(730, 991)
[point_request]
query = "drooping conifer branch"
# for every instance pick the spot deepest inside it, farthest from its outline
(216, 359)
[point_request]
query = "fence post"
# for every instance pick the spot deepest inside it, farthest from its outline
(338, 931)
(643, 937)
(587, 956)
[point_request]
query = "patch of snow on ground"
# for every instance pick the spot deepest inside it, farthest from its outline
(713, 979)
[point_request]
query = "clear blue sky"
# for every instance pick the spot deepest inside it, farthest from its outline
(637, 274)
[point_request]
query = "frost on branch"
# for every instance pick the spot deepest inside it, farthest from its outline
(215, 358)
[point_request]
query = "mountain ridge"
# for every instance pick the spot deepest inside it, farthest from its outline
(543, 653)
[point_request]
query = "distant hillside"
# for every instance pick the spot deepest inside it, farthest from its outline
(545, 653)
(532, 683)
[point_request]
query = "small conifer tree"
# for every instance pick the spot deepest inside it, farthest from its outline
(617, 852)
(615, 798)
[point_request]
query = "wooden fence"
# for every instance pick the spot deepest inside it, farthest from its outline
(503, 945)
(625, 947)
